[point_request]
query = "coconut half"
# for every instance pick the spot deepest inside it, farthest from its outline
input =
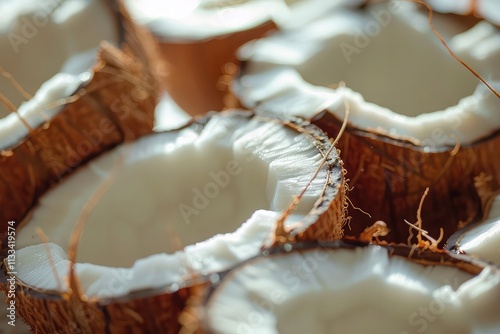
(182, 205)
(94, 85)
(481, 239)
(199, 39)
(353, 288)
(417, 117)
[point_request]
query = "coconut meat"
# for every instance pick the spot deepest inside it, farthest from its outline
(194, 20)
(488, 9)
(483, 240)
(49, 48)
(399, 78)
(353, 291)
(198, 20)
(174, 205)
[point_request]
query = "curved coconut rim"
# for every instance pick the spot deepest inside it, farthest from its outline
(185, 32)
(116, 12)
(452, 245)
(398, 141)
(266, 10)
(330, 191)
(421, 256)
(416, 255)
(136, 64)
(324, 97)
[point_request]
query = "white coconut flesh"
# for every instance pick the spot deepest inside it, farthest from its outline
(488, 9)
(399, 78)
(198, 20)
(194, 20)
(362, 290)
(49, 48)
(483, 240)
(196, 201)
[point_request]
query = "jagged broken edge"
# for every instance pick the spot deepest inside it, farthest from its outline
(425, 257)
(159, 310)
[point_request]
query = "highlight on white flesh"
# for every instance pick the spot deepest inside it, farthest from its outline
(400, 80)
(168, 115)
(483, 240)
(488, 9)
(183, 204)
(203, 19)
(49, 48)
(198, 20)
(360, 290)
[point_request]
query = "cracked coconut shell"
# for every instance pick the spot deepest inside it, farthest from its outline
(115, 105)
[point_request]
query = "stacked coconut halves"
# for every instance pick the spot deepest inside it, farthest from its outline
(237, 222)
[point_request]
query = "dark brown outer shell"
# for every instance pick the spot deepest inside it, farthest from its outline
(200, 71)
(116, 105)
(421, 256)
(163, 310)
(389, 177)
(134, 314)
(474, 16)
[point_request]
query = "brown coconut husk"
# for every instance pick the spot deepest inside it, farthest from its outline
(163, 310)
(200, 70)
(474, 14)
(388, 177)
(116, 105)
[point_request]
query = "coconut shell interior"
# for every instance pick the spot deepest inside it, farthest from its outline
(199, 72)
